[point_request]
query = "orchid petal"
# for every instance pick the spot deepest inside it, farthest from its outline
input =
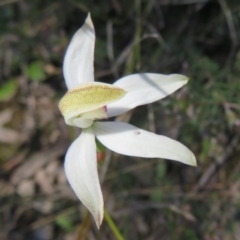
(81, 171)
(78, 61)
(126, 139)
(144, 88)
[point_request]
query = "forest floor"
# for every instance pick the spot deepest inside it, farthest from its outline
(148, 199)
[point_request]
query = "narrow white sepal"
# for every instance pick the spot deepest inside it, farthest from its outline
(78, 62)
(126, 139)
(81, 171)
(144, 88)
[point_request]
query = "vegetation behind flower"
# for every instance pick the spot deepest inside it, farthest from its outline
(145, 198)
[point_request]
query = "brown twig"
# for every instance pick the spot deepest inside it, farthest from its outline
(5, 2)
(205, 178)
(51, 218)
(181, 2)
(232, 31)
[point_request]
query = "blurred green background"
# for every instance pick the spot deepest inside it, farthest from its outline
(147, 198)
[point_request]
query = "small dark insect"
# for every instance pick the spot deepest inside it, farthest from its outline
(137, 132)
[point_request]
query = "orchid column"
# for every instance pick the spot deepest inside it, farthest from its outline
(87, 103)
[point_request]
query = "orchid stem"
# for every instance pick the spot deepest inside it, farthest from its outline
(112, 225)
(72, 134)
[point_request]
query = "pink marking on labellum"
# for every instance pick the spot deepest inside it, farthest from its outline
(105, 108)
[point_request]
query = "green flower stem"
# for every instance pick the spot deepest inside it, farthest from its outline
(134, 60)
(112, 225)
(72, 133)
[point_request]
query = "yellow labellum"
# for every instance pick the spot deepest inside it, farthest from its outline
(87, 97)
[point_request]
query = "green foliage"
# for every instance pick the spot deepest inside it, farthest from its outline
(189, 234)
(8, 90)
(157, 196)
(206, 145)
(65, 223)
(161, 169)
(101, 49)
(35, 71)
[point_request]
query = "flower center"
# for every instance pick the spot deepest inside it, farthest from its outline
(83, 104)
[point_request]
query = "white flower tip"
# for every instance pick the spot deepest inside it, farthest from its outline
(193, 161)
(180, 77)
(98, 217)
(187, 157)
(88, 21)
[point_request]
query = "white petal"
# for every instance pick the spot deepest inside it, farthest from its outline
(78, 61)
(80, 122)
(81, 171)
(144, 88)
(126, 139)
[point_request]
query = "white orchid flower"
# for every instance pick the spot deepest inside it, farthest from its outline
(87, 101)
